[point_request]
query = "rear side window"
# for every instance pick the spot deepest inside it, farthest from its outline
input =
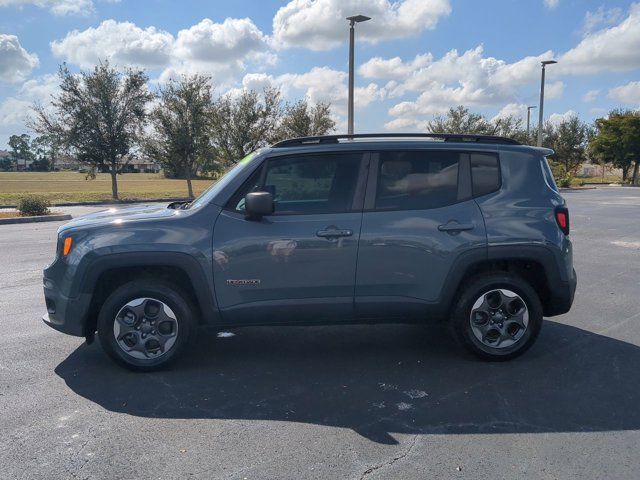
(417, 180)
(485, 173)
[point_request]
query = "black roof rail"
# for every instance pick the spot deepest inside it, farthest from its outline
(446, 137)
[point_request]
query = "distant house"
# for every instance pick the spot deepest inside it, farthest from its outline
(592, 170)
(142, 165)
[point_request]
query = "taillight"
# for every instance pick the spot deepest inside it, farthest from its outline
(562, 218)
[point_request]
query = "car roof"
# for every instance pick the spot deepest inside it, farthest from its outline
(400, 141)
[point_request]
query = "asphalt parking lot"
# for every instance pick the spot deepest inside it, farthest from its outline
(336, 402)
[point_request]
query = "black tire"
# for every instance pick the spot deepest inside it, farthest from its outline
(460, 320)
(146, 288)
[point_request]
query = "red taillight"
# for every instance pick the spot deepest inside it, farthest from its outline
(562, 217)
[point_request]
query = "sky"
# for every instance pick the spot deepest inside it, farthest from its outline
(414, 59)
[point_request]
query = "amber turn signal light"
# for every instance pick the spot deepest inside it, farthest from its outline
(66, 247)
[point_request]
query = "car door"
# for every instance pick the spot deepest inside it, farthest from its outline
(419, 218)
(298, 264)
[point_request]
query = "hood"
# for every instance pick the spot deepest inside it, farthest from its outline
(118, 215)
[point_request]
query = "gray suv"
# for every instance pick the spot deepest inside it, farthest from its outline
(327, 230)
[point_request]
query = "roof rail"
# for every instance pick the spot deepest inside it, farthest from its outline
(446, 137)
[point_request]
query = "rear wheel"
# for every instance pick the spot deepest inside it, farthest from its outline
(497, 316)
(144, 325)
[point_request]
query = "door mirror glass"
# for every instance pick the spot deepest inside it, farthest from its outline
(258, 204)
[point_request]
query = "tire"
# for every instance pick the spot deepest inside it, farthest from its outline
(154, 322)
(496, 334)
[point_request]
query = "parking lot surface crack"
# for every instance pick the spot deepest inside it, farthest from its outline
(395, 459)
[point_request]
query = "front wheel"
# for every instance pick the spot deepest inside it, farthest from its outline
(497, 316)
(144, 324)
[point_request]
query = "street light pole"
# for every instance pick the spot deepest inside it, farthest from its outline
(529, 108)
(352, 21)
(541, 110)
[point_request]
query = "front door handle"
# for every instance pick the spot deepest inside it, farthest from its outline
(454, 227)
(334, 233)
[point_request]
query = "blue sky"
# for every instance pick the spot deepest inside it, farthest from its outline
(414, 59)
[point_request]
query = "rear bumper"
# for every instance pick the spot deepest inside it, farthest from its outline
(561, 296)
(67, 315)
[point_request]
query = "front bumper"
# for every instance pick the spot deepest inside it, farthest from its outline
(67, 315)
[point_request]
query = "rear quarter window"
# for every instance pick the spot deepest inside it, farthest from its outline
(485, 173)
(548, 175)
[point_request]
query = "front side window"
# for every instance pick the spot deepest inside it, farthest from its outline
(417, 180)
(306, 184)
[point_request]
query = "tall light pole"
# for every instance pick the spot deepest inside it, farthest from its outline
(352, 21)
(529, 118)
(540, 111)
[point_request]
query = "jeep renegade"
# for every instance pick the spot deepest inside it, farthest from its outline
(327, 230)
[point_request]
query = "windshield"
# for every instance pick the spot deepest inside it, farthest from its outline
(206, 196)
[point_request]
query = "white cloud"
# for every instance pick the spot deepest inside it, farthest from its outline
(628, 94)
(601, 18)
(610, 49)
(551, 4)
(57, 7)
(393, 68)
(554, 90)
(470, 79)
(590, 96)
(15, 110)
(321, 24)
(15, 62)
(219, 49)
(515, 110)
(558, 118)
(124, 43)
(320, 84)
(218, 42)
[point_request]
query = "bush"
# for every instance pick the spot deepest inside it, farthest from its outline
(565, 181)
(33, 205)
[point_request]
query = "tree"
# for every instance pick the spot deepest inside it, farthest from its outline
(99, 116)
(569, 140)
(243, 123)
(461, 121)
(180, 140)
(617, 141)
(301, 120)
(20, 148)
(45, 151)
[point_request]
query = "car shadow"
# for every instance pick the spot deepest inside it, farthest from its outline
(378, 380)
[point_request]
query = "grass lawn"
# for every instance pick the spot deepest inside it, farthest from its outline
(73, 187)
(580, 181)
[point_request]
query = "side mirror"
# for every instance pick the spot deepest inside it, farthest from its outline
(258, 204)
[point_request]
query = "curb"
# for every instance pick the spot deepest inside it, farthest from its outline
(122, 202)
(576, 189)
(38, 219)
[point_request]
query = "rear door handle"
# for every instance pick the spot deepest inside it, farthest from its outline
(334, 233)
(453, 227)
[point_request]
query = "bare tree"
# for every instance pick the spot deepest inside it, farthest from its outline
(98, 116)
(180, 139)
(241, 124)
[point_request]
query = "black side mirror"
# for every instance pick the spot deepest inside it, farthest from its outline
(258, 204)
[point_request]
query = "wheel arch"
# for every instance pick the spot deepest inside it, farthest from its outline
(535, 264)
(107, 272)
